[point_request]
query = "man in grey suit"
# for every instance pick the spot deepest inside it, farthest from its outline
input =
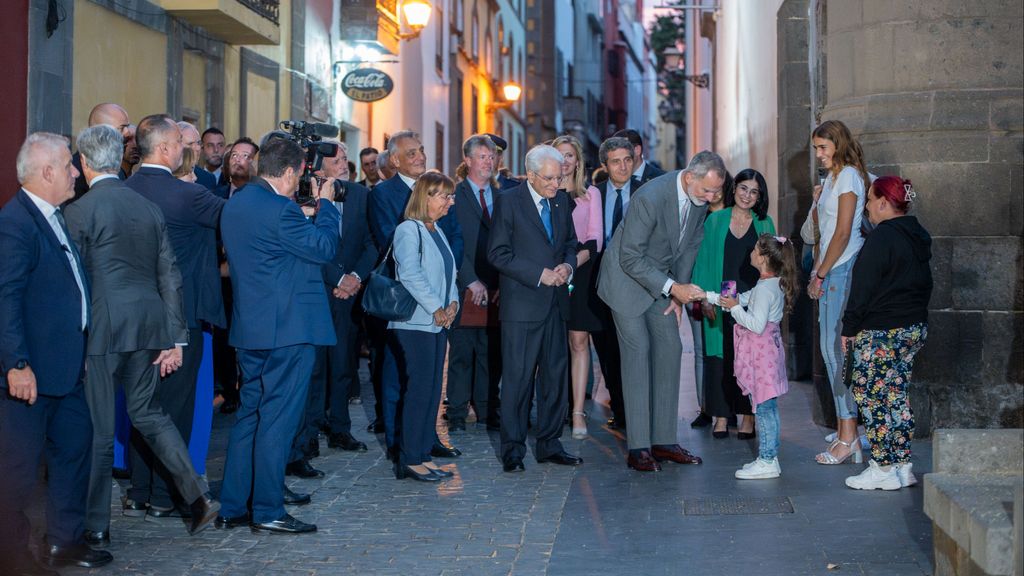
(138, 324)
(644, 279)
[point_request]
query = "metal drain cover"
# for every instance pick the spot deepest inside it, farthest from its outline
(728, 505)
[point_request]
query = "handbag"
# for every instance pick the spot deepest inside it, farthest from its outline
(385, 297)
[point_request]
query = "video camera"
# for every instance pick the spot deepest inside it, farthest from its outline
(309, 136)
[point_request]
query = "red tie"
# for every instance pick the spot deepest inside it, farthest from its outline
(483, 206)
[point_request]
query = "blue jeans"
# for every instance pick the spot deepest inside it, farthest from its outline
(767, 417)
(832, 303)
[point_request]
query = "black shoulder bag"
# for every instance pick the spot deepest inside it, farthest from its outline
(384, 296)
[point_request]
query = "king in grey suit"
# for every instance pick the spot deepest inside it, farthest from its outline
(644, 279)
(138, 323)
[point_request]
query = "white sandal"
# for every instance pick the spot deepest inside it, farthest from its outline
(579, 433)
(828, 459)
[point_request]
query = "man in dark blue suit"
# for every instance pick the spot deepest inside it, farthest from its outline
(387, 207)
(192, 215)
(533, 246)
(44, 312)
(335, 369)
(280, 315)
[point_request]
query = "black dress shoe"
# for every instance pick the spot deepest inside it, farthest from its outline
(162, 513)
(563, 458)
(439, 450)
(313, 448)
(701, 421)
(99, 539)
(377, 427)
(77, 555)
(223, 523)
(295, 499)
(346, 442)
(402, 472)
(134, 509)
(204, 510)
(513, 466)
(302, 469)
(284, 525)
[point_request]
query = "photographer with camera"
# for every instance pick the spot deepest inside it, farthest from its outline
(280, 314)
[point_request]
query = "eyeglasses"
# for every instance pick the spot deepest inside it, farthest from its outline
(743, 190)
(549, 180)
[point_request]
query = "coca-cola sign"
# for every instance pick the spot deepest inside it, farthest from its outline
(367, 85)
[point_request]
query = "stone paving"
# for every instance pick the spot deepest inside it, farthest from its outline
(600, 518)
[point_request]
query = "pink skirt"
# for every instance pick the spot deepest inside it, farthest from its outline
(760, 363)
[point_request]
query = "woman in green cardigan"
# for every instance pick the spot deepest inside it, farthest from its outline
(729, 237)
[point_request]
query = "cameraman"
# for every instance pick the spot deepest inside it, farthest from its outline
(280, 314)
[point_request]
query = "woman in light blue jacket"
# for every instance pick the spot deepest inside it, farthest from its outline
(426, 268)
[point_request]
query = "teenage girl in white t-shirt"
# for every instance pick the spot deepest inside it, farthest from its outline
(839, 211)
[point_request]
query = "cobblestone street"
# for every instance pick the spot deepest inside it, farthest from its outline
(600, 518)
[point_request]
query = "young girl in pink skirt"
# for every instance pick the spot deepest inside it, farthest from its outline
(760, 364)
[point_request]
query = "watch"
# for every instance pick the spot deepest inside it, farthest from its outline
(21, 365)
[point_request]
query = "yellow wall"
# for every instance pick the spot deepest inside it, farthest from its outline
(116, 60)
(259, 103)
(282, 55)
(232, 93)
(193, 93)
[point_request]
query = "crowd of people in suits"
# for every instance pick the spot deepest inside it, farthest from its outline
(162, 233)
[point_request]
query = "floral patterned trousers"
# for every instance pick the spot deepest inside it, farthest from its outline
(882, 363)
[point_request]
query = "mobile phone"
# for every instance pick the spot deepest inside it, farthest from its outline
(728, 288)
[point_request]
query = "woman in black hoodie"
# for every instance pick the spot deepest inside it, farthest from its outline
(886, 323)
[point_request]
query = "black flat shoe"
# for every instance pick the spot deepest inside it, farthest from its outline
(345, 441)
(284, 525)
(719, 434)
(99, 539)
(746, 435)
(302, 469)
(562, 458)
(204, 511)
(295, 499)
(513, 466)
(441, 451)
(403, 472)
(701, 421)
(77, 555)
(223, 523)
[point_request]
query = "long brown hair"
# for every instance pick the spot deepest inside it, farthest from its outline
(848, 150)
(781, 263)
(578, 175)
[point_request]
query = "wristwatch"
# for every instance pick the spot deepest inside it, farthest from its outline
(21, 365)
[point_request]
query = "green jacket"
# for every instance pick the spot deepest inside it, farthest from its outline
(707, 272)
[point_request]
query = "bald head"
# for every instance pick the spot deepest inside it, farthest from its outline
(113, 115)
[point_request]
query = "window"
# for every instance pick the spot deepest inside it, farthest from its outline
(439, 147)
(474, 110)
(439, 46)
(474, 36)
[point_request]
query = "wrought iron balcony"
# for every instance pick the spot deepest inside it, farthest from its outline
(233, 21)
(269, 9)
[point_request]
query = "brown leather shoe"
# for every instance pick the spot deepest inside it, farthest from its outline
(641, 461)
(675, 453)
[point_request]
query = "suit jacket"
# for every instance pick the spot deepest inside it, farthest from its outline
(519, 249)
(646, 250)
(476, 234)
(650, 173)
(606, 188)
(40, 304)
(507, 182)
(81, 186)
(356, 251)
(136, 292)
(275, 255)
(192, 215)
(205, 179)
(387, 209)
(420, 269)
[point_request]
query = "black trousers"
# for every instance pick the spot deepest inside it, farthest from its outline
(606, 344)
(420, 360)
(474, 374)
(722, 395)
(135, 372)
(528, 348)
(176, 396)
(58, 428)
(225, 362)
(343, 365)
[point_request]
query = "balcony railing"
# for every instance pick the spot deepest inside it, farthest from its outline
(269, 9)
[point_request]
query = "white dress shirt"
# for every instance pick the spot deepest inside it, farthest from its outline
(49, 212)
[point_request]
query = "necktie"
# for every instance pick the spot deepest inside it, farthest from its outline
(682, 219)
(616, 211)
(545, 218)
(70, 247)
(483, 206)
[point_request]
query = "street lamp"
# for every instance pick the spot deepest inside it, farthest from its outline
(417, 14)
(674, 65)
(511, 91)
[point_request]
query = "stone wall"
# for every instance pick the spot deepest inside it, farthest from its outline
(934, 89)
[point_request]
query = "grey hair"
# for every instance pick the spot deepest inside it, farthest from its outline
(706, 161)
(476, 141)
(401, 135)
(540, 154)
(612, 144)
(382, 159)
(102, 146)
(31, 157)
(182, 125)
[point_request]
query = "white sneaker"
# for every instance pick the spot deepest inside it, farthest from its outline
(874, 478)
(759, 470)
(906, 474)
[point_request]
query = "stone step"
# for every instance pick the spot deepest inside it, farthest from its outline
(964, 451)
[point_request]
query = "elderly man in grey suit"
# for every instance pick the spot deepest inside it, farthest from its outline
(138, 326)
(644, 279)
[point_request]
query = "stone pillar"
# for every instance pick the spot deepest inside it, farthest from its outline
(933, 90)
